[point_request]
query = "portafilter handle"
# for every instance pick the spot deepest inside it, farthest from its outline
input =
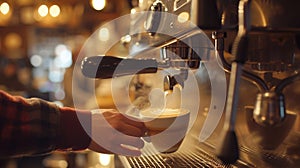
(105, 67)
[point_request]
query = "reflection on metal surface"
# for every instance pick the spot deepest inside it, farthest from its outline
(269, 109)
(258, 17)
(188, 158)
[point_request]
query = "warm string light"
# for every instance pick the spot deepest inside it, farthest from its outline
(5, 13)
(98, 4)
(54, 10)
(4, 8)
(45, 13)
(43, 10)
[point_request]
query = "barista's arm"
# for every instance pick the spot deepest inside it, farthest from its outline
(31, 126)
(34, 126)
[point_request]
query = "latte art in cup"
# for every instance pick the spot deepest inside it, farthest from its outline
(166, 127)
(162, 113)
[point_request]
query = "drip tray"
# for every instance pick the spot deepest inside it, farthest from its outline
(181, 159)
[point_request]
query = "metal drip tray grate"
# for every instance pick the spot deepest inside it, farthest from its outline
(181, 160)
(196, 159)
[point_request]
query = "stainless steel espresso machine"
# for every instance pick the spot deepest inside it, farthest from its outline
(257, 44)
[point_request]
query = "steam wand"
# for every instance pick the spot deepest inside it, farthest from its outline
(228, 149)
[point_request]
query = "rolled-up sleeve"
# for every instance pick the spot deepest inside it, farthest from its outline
(35, 126)
(27, 126)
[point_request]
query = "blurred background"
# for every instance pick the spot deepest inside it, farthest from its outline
(39, 40)
(39, 43)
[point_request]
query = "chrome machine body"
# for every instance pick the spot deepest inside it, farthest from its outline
(258, 44)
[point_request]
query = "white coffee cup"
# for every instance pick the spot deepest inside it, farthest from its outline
(166, 127)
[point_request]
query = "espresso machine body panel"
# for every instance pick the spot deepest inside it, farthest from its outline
(272, 56)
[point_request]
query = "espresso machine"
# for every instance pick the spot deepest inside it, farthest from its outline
(256, 43)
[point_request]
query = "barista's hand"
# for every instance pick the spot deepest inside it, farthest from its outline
(112, 132)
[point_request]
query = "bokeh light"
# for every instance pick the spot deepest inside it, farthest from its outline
(54, 10)
(43, 10)
(98, 4)
(4, 8)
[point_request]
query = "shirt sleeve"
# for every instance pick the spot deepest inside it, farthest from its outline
(35, 126)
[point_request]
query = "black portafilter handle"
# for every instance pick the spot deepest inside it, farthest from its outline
(104, 67)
